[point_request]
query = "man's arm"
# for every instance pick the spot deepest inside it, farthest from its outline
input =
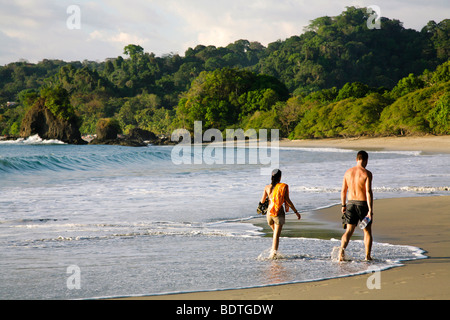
(369, 194)
(344, 193)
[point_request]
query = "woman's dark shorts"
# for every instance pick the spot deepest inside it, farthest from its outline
(356, 211)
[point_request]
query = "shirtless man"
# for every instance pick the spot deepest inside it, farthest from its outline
(358, 184)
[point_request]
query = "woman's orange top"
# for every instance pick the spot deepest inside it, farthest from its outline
(278, 198)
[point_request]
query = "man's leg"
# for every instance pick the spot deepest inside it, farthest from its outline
(368, 239)
(346, 239)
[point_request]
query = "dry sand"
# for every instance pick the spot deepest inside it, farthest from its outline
(422, 222)
(427, 144)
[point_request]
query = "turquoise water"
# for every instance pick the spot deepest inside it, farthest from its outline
(135, 223)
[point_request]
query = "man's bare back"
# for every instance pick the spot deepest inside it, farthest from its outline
(356, 182)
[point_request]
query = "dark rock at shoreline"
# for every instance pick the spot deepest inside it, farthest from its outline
(137, 138)
(107, 129)
(163, 141)
(148, 137)
(141, 134)
(9, 138)
(40, 120)
(108, 134)
(120, 142)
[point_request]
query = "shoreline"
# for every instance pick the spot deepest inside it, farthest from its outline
(424, 144)
(399, 221)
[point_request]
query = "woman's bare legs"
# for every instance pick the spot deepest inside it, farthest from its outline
(276, 238)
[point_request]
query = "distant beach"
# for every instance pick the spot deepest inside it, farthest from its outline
(432, 144)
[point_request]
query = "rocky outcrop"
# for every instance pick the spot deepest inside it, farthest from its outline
(40, 120)
(141, 134)
(136, 138)
(148, 137)
(108, 134)
(120, 141)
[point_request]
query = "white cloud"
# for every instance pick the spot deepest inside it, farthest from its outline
(121, 38)
(212, 23)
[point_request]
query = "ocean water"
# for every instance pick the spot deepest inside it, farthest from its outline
(106, 221)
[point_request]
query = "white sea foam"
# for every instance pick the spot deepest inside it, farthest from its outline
(318, 149)
(31, 140)
(383, 189)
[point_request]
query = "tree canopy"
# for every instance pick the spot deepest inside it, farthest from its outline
(224, 96)
(335, 66)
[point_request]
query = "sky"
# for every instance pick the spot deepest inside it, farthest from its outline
(76, 30)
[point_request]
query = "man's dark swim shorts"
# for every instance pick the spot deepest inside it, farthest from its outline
(356, 211)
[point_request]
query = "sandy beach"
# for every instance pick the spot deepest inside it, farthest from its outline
(422, 221)
(427, 144)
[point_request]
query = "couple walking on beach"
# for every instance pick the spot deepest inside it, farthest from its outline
(356, 188)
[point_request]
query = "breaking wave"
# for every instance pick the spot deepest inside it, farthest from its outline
(60, 158)
(32, 140)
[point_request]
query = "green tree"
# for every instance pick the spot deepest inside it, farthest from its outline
(57, 101)
(263, 120)
(223, 97)
(27, 97)
(407, 85)
(158, 121)
(439, 35)
(134, 51)
(410, 114)
(439, 116)
(337, 50)
(355, 90)
(442, 73)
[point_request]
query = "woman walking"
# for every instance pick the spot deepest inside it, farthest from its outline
(278, 194)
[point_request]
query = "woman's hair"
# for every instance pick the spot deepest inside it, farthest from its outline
(276, 178)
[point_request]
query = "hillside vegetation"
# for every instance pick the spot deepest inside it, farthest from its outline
(337, 78)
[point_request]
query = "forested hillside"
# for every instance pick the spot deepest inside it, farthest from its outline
(337, 78)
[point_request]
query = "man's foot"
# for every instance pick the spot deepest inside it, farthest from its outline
(369, 258)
